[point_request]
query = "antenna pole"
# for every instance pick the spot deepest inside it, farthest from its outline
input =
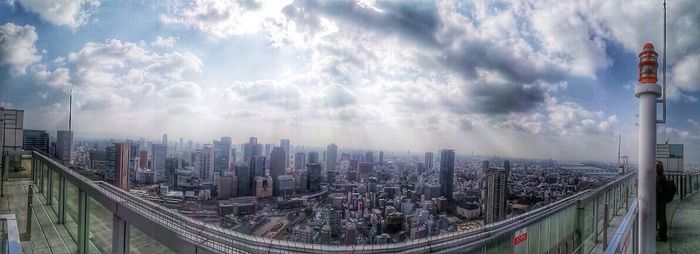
(619, 145)
(663, 120)
(70, 111)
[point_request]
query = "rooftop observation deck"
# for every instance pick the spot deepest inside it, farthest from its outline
(71, 214)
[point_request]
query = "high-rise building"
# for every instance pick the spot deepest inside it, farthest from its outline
(495, 203)
(143, 159)
(369, 157)
(365, 170)
(331, 157)
(250, 149)
(158, 154)
(165, 139)
(121, 167)
(299, 161)
(381, 158)
(447, 167)
(485, 167)
(222, 150)
(286, 146)
(205, 163)
(35, 140)
(429, 161)
(64, 146)
(313, 177)
(277, 168)
(257, 165)
(506, 166)
(263, 186)
(284, 185)
(226, 187)
(244, 180)
(313, 158)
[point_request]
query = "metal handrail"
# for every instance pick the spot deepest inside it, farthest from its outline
(624, 229)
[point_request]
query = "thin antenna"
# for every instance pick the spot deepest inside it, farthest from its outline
(70, 111)
(664, 68)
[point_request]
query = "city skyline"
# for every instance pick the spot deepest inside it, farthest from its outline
(494, 78)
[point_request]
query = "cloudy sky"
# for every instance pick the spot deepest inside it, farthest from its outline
(525, 78)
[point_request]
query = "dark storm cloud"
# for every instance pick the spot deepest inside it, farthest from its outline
(419, 23)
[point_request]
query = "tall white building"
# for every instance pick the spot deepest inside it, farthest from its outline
(64, 146)
(331, 157)
(158, 154)
(205, 163)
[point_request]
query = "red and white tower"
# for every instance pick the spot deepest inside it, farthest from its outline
(648, 92)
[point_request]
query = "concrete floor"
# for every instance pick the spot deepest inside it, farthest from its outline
(684, 229)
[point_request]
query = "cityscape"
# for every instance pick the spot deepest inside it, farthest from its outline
(349, 126)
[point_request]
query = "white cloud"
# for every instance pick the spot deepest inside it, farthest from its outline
(57, 78)
(122, 74)
(70, 13)
(17, 48)
(223, 18)
(164, 42)
(572, 119)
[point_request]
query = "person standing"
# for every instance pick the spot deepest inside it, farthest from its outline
(665, 191)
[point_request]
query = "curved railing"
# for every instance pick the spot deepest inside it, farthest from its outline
(222, 240)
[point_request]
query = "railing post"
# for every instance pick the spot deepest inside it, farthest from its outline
(83, 222)
(120, 236)
(605, 227)
(61, 200)
(49, 187)
(28, 224)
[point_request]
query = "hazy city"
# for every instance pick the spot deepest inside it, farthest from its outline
(246, 126)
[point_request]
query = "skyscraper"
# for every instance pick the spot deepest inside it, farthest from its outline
(429, 161)
(35, 140)
(485, 167)
(222, 150)
(506, 166)
(381, 158)
(313, 158)
(495, 204)
(205, 163)
(447, 167)
(331, 157)
(250, 149)
(369, 157)
(299, 161)
(277, 168)
(284, 143)
(158, 153)
(143, 159)
(244, 180)
(64, 146)
(313, 179)
(165, 139)
(257, 165)
(121, 166)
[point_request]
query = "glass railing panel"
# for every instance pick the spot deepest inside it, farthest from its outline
(71, 210)
(100, 227)
(140, 243)
(54, 191)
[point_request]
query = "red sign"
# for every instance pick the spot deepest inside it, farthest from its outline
(520, 238)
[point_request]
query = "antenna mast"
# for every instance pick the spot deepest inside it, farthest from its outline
(70, 111)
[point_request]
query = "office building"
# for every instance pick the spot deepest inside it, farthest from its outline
(313, 158)
(263, 186)
(257, 165)
(64, 146)
(35, 140)
(205, 163)
(299, 161)
(143, 159)
(496, 191)
(381, 158)
(429, 161)
(121, 166)
(165, 139)
(369, 157)
(286, 146)
(222, 150)
(285, 185)
(447, 167)
(158, 155)
(250, 149)
(331, 157)
(244, 180)
(365, 170)
(313, 177)
(277, 167)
